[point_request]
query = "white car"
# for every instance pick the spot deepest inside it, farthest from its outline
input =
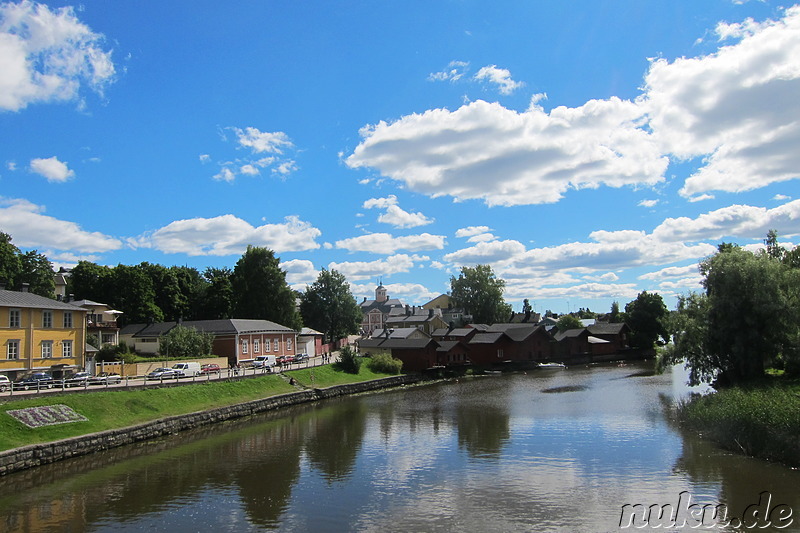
(5, 383)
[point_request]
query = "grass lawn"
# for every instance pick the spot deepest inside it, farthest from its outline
(762, 419)
(330, 375)
(111, 409)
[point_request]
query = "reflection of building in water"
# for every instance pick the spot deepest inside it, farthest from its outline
(49, 515)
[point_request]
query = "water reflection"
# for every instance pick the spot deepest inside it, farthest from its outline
(493, 453)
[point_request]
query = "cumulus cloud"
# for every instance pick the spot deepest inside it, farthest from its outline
(454, 72)
(52, 169)
(395, 215)
(531, 157)
(648, 203)
(500, 77)
(48, 55)
(384, 243)
(299, 273)
(470, 231)
(257, 143)
(359, 270)
(30, 227)
(737, 108)
(229, 235)
(672, 273)
(411, 293)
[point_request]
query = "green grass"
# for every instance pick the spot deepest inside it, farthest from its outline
(762, 420)
(330, 375)
(111, 409)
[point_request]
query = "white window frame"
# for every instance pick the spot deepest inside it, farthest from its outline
(244, 346)
(277, 345)
(68, 319)
(66, 349)
(288, 345)
(47, 319)
(47, 349)
(14, 318)
(256, 345)
(12, 350)
(267, 345)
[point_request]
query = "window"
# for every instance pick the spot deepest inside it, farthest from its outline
(67, 319)
(266, 345)
(277, 345)
(256, 345)
(13, 318)
(47, 319)
(12, 350)
(499, 353)
(66, 349)
(244, 346)
(47, 349)
(289, 344)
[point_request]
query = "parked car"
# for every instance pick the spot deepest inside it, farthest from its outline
(5, 383)
(187, 370)
(264, 361)
(284, 359)
(301, 357)
(105, 378)
(79, 379)
(210, 368)
(37, 380)
(163, 373)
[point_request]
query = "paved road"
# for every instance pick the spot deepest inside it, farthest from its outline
(140, 381)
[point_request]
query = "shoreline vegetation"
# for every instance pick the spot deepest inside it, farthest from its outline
(116, 409)
(760, 419)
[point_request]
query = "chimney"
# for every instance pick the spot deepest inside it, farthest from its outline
(25, 287)
(430, 313)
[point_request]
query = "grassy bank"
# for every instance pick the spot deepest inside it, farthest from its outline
(330, 375)
(762, 420)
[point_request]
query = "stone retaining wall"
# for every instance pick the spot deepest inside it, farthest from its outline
(40, 454)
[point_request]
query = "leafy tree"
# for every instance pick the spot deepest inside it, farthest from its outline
(349, 360)
(615, 316)
(647, 317)
(526, 307)
(37, 271)
(217, 300)
(10, 263)
(327, 305)
(89, 281)
(385, 363)
(135, 295)
(260, 289)
(568, 322)
(181, 341)
(480, 293)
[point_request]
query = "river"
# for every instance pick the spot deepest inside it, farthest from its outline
(546, 450)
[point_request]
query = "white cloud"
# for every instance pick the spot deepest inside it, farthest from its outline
(454, 72)
(225, 174)
(52, 169)
(410, 293)
(470, 231)
(781, 197)
(384, 243)
(531, 157)
(380, 203)
(299, 273)
(737, 108)
(648, 203)
(483, 237)
(262, 141)
(229, 235)
(48, 55)
(672, 272)
(249, 170)
(257, 142)
(30, 228)
(11, 165)
(487, 252)
(204, 158)
(395, 215)
(500, 77)
(358, 270)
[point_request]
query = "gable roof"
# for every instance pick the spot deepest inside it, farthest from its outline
(30, 300)
(605, 328)
(227, 326)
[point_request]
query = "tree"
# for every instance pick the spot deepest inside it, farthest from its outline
(327, 305)
(747, 317)
(647, 316)
(260, 289)
(480, 294)
(568, 322)
(349, 360)
(181, 341)
(217, 299)
(615, 316)
(10, 264)
(37, 272)
(89, 281)
(135, 295)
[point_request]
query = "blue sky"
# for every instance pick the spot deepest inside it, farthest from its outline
(586, 150)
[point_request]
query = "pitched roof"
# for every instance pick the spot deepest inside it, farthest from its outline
(605, 328)
(487, 338)
(31, 300)
(446, 346)
(456, 332)
(227, 326)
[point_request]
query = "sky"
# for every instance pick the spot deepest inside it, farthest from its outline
(586, 150)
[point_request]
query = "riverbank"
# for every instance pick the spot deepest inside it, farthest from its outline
(119, 417)
(761, 420)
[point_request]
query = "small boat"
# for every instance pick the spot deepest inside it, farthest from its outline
(552, 365)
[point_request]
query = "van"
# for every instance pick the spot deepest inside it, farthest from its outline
(264, 361)
(188, 370)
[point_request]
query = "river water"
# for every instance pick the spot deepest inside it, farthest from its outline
(546, 450)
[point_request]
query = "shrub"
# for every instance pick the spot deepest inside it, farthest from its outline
(349, 360)
(385, 363)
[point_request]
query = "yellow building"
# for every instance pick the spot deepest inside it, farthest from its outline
(40, 334)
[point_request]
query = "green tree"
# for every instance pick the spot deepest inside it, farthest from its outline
(37, 272)
(10, 263)
(349, 360)
(183, 341)
(260, 289)
(647, 317)
(90, 281)
(328, 306)
(217, 300)
(615, 316)
(135, 295)
(480, 293)
(568, 322)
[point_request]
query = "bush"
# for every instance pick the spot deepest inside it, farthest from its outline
(349, 360)
(385, 363)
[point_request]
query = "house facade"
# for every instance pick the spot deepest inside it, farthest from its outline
(40, 334)
(101, 321)
(375, 312)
